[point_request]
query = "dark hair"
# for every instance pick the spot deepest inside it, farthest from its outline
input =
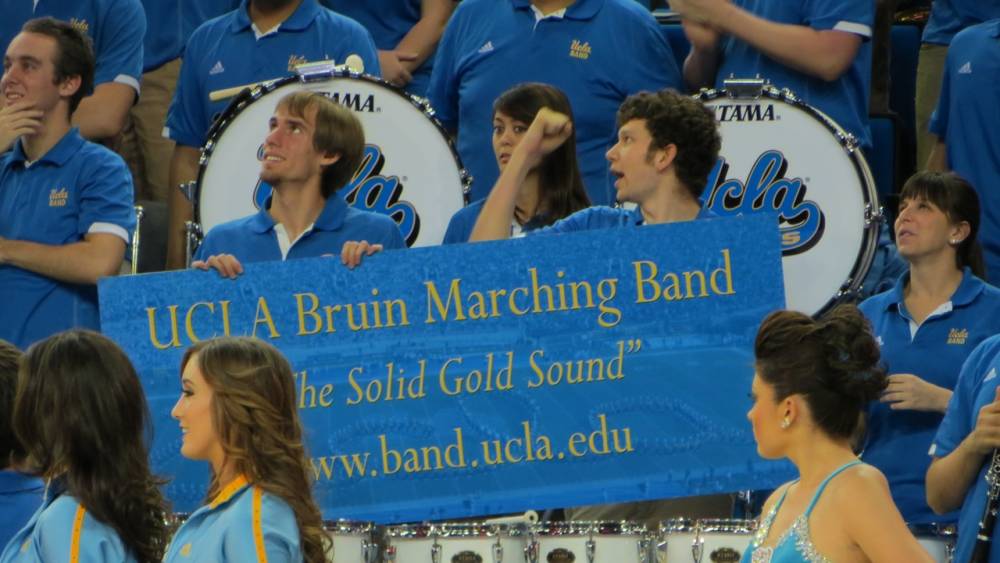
(10, 448)
(560, 182)
(255, 413)
(675, 119)
(337, 131)
(81, 414)
(75, 56)
(832, 362)
(959, 201)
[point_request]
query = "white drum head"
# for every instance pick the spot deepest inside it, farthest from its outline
(780, 155)
(410, 171)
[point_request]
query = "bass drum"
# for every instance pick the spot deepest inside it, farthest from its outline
(783, 156)
(410, 169)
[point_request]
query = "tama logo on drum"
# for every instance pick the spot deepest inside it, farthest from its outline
(356, 102)
(744, 112)
(767, 188)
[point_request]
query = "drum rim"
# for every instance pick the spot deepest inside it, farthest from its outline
(586, 528)
(457, 530)
(353, 527)
(873, 210)
(248, 96)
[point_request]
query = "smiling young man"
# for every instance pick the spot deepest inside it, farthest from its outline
(65, 203)
(313, 148)
(667, 145)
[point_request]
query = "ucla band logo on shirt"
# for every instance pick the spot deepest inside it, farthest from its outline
(58, 197)
(80, 25)
(368, 190)
(767, 189)
(579, 50)
(958, 336)
(294, 61)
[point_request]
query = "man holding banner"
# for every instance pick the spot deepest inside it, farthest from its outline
(65, 203)
(314, 147)
(667, 145)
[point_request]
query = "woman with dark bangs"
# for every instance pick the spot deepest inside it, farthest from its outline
(553, 189)
(927, 324)
(81, 415)
(238, 411)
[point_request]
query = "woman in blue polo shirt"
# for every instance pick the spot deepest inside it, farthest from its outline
(927, 325)
(552, 190)
(81, 414)
(237, 411)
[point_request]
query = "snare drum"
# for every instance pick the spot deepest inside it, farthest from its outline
(782, 155)
(471, 542)
(588, 542)
(703, 541)
(938, 540)
(352, 541)
(410, 170)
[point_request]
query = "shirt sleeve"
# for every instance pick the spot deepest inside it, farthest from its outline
(852, 16)
(393, 238)
(959, 419)
(187, 122)
(106, 200)
(443, 89)
(118, 44)
(654, 64)
(276, 530)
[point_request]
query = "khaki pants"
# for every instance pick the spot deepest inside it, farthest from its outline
(142, 145)
(930, 69)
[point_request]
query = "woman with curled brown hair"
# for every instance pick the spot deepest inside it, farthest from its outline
(238, 411)
(81, 415)
(813, 379)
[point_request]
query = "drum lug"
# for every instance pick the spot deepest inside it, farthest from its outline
(390, 554)
(531, 551)
(193, 236)
(436, 551)
(644, 555)
(319, 70)
(873, 215)
(591, 549)
(497, 551)
(369, 551)
(661, 551)
(697, 548)
(744, 88)
(188, 189)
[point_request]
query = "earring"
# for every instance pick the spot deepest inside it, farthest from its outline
(785, 423)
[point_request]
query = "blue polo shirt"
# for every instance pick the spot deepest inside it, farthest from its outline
(253, 238)
(976, 388)
(845, 99)
(464, 220)
(76, 188)
(948, 17)
(602, 217)
(897, 439)
(226, 52)
(242, 524)
(598, 52)
(115, 26)
(20, 497)
(169, 23)
(63, 530)
(966, 118)
(388, 21)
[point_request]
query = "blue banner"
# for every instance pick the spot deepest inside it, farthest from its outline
(494, 377)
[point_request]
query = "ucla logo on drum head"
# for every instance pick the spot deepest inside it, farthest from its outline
(368, 190)
(766, 188)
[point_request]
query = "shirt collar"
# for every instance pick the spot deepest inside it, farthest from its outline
(636, 216)
(226, 494)
(330, 219)
(994, 27)
(579, 10)
(300, 19)
(12, 481)
(57, 155)
(968, 289)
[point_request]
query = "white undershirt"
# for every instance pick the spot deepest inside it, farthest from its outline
(539, 16)
(284, 244)
(944, 308)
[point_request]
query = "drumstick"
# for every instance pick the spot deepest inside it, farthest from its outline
(224, 93)
(354, 63)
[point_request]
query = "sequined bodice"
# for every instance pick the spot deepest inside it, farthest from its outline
(795, 544)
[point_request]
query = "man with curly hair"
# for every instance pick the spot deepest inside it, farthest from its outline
(667, 145)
